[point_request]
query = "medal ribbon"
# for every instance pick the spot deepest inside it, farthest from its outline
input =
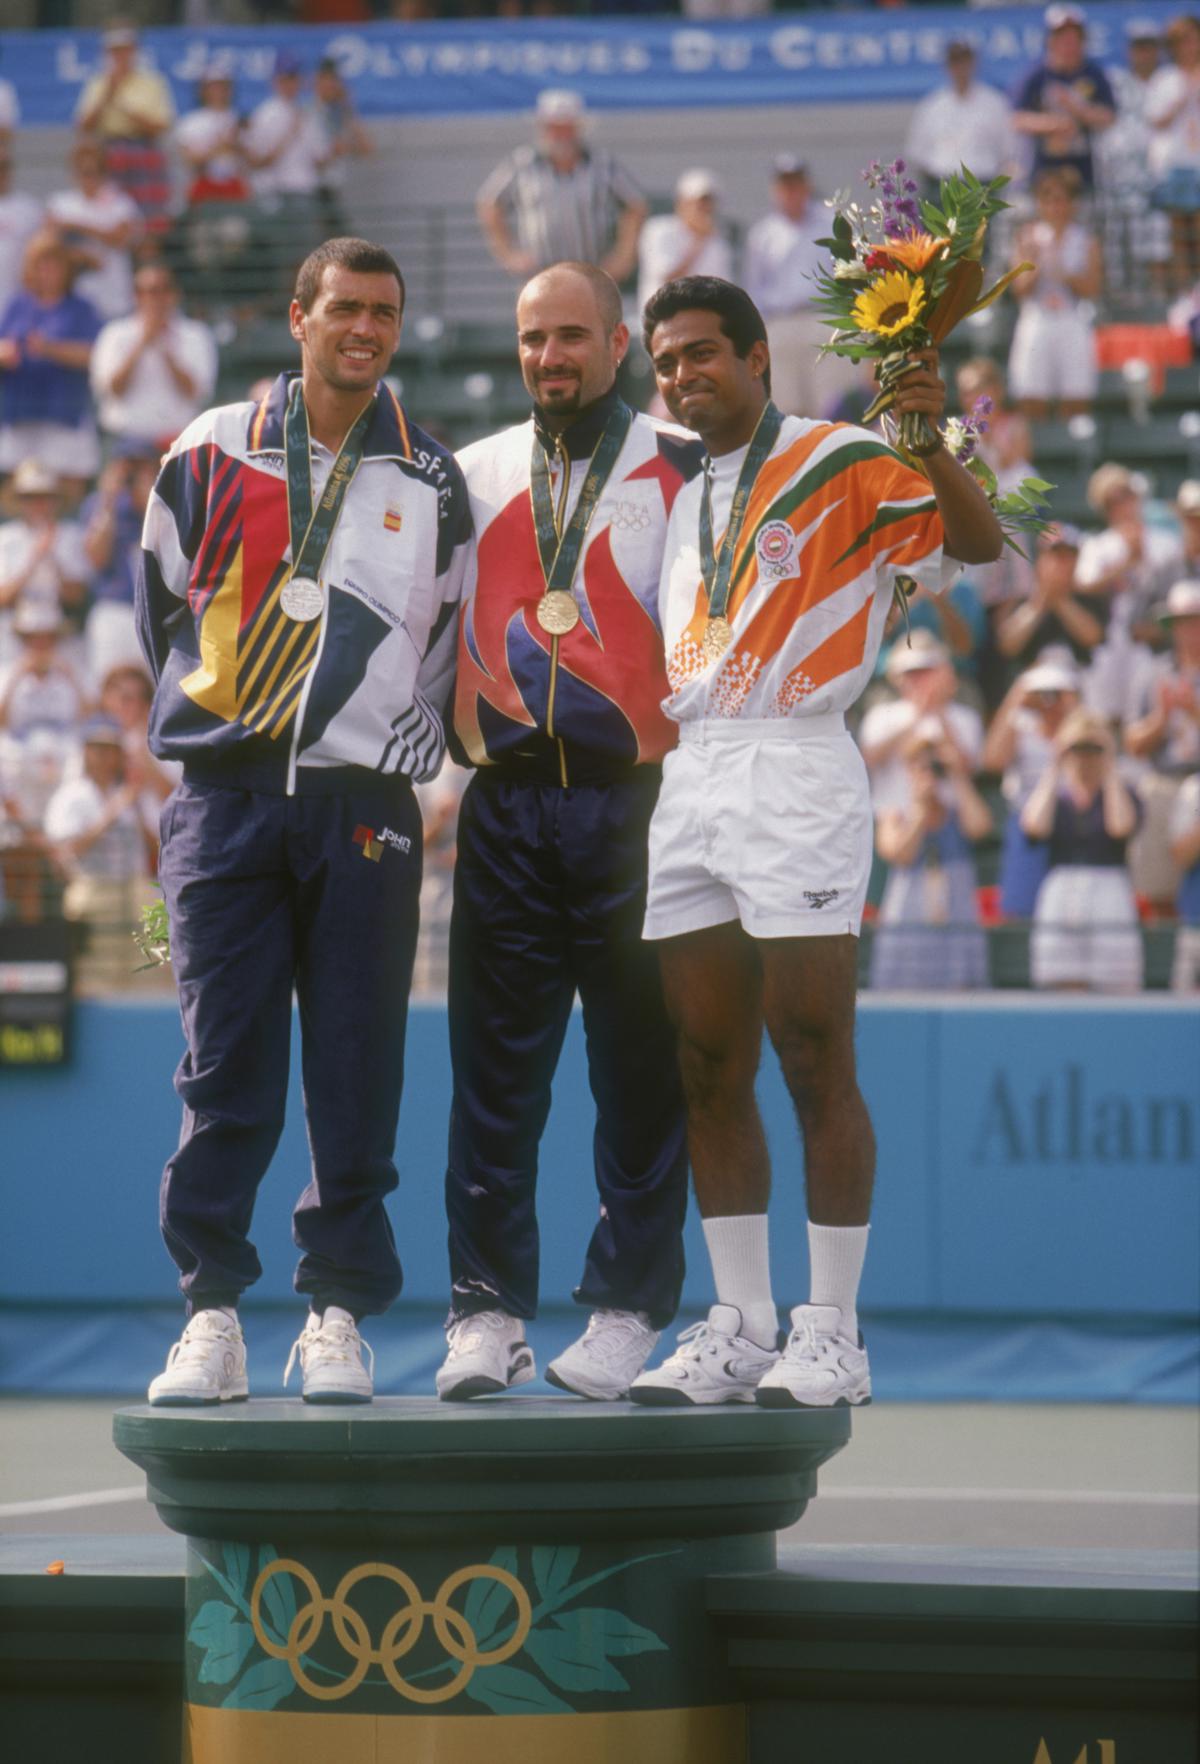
(312, 529)
(559, 552)
(717, 572)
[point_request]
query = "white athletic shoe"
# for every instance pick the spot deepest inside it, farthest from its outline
(488, 1352)
(206, 1365)
(820, 1368)
(330, 1352)
(608, 1356)
(712, 1364)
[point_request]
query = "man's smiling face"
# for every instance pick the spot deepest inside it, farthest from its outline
(351, 331)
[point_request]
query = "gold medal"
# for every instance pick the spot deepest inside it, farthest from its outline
(558, 612)
(718, 635)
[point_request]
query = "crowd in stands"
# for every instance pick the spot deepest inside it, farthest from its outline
(1033, 736)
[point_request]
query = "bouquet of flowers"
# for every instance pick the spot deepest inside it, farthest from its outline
(904, 273)
(153, 936)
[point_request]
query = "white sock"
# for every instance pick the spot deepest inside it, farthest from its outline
(836, 1254)
(741, 1265)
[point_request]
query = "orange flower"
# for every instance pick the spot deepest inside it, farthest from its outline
(917, 252)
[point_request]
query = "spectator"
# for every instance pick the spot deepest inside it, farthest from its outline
(345, 138)
(962, 123)
(1053, 356)
(1173, 114)
(40, 689)
(1085, 932)
(112, 519)
(287, 150)
(923, 677)
(928, 936)
(1056, 612)
(1185, 850)
(129, 108)
(1164, 734)
(1137, 241)
(20, 219)
(94, 826)
(99, 224)
(1128, 562)
(1065, 102)
(1020, 745)
(46, 338)
(217, 220)
(688, 242)
(155, 370)
(1187, 512)
(126, 695)
(10, 113)
(561, 200)
(782, 256)
(42, 557)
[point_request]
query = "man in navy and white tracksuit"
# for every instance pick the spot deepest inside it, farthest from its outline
(303, 667)
(558, 707)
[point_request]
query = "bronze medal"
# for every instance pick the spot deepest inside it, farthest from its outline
(718, 635)
(557, 612)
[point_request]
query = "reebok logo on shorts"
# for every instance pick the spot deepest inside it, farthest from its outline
(819, 897)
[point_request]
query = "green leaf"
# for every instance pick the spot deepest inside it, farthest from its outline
(571, 1654)
(553, 1567)
(506, 1690)
(237, 1564)
(490, 1604)
(616, 1633)
(226, 1641)
(841, 226)
(278, 1598)
(263, 1687)
(1039, 485)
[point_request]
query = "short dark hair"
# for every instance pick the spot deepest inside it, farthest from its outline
(740, 319)
(358, 255)
(608, 295)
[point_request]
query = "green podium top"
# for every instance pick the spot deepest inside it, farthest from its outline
(411, 1468)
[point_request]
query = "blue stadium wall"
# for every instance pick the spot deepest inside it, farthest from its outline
(1036, 1234)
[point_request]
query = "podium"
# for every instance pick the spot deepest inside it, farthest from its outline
(505, 1582)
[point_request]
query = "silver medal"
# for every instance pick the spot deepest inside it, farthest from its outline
(302, 599)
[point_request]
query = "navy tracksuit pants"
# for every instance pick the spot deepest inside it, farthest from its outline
(267, 893)
(549, 894)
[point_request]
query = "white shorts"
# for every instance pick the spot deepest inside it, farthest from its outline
(1053, 356)
(766, 822)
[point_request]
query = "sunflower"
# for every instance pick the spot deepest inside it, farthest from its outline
(890, 305)
(915, 253)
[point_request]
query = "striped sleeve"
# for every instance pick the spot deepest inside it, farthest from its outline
(455, 566)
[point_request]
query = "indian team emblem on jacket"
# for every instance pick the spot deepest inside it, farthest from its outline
(777, 550)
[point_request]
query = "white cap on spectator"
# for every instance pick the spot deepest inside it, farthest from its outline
(1187, 497)
(558, 106)
(1143, 30)
(923, 650)
(1055, 17)
(32, 478)
(697, 182)
(789, 165)
(1050, 676)
(1182, 602)
(119, 36)
(33, 618)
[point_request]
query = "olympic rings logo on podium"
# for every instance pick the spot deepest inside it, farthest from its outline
(401, 1633)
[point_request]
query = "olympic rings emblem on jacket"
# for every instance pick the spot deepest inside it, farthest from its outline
(401, 1632)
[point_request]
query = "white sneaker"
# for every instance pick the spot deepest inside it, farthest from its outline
(820, 1368)
(712, 1364)
(488, 1352)
(206, 1365)
(330, 1351)
(608, 1356)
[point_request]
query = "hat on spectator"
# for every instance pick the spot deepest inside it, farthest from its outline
(789, 165)
(1050, 676)
(36, 618)
(220, 66)
(119, 35)
(1182, 602)
(287, 64)
(1142, 30)
(697, 182)
(1062, 536)
(1083, 727)
(32, 478)
(923, 650)
(1111, 480)
(1055, 17)
(558, 106)
(1187, 497)
(101, 731)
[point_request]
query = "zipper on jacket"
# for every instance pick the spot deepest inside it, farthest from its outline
(293, 754)
(560, 515)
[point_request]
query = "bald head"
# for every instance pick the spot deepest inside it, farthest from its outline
(570, 337)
